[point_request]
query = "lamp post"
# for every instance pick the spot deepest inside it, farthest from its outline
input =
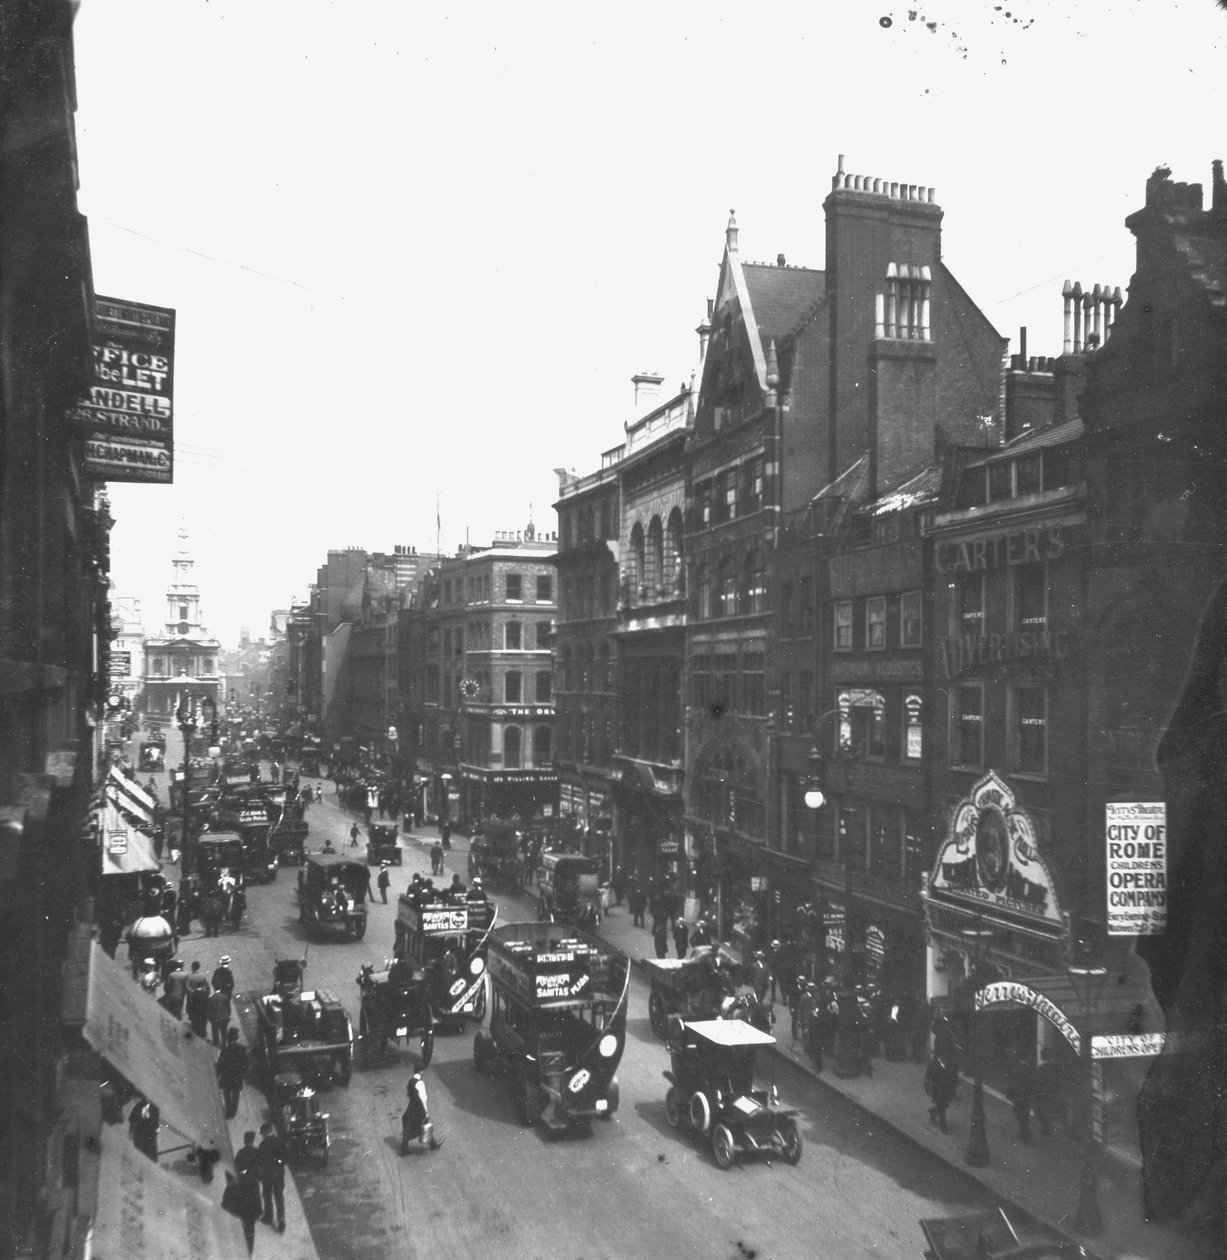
(977, 1154)
(186, 719)
(1088, 981)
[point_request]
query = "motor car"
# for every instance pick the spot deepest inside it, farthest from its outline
(568, 890)
(382, 844)
(332, 892)
(297, 1117)
(712, 1093)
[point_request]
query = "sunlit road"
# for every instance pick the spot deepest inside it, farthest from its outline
(630, 1187)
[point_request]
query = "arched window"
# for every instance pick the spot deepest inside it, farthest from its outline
(541, 746)
(726, 589)
(674, 569)
(511, 747)
(754, 584)
(636, 576)
(702, 592)
(656, 559)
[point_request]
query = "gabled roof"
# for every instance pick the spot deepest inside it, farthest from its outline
(850, 484)
(1034, 440)
(921, 488)
(782, 296)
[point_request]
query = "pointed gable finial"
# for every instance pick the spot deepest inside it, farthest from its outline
(773, 366)
(730, 233)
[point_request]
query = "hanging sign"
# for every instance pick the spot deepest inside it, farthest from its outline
(1136, 836)
(125, 415)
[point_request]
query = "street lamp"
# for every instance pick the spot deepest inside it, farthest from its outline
(977, 1155)
(1088, 982)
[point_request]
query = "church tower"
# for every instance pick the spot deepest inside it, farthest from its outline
(183, 596)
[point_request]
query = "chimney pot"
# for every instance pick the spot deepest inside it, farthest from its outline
(894, 190)
(779, 260)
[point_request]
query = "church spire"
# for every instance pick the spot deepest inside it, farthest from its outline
(183, 596)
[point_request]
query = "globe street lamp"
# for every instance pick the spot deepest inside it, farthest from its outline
(977, 1140)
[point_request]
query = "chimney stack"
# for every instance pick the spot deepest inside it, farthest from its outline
(647, 387)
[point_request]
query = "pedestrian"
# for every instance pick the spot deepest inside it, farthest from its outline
(436, 858)
(445, 834)
(219, 1016)
(635, 900)
(231, 1071)
(415, 1123)
(618, 884)
(144, 1121)
(319, 793)
(660, 938)
(241, 1198)
(680, 937)
(238, 904)
(353, 836)
(384, 882)
(212, 909)
(247, 1159)
(197, 1001)
(760, 977)
(186, 910)
(272, 1176)
(223, 977)
(174, 989)
(1020, 1090)
(941, 1080)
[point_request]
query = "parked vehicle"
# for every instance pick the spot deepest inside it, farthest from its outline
(445, 941)
(569, 890)
(694, 987)
(302, 1126)
(151, 754)
(382, 844)
(332, 893)
(302, 1030)
(557, 1022)
(711, 1092)
(395, 1004)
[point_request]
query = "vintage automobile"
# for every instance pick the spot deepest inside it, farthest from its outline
(287, 838)
(297, 1117)
(694, 987)
(332, 894)
(569, 890)
(394, 1005)
(557, 1023)
(151, 754)
(711, 1091)
(381, 844)
(445, 941)
(991, 1234)
(261, 856)
(302, 1030)
(214, 855)
(309, 763)
(499, 855)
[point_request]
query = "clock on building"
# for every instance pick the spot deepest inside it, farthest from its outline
(183, 627)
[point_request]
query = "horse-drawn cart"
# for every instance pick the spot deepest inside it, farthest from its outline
(300, 1030)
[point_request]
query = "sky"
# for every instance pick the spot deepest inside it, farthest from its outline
(417, 252)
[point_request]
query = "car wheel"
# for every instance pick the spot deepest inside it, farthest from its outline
(723, 1147)
(673, 1107)
(791, 1138)
(657, 1016)
(700, 1113)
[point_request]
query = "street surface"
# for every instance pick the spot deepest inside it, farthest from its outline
(630, 1187)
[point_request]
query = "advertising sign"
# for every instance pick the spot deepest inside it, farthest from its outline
(450, 920)
(566, 985)
(120, 664)
(125, 417)
(1136, 836)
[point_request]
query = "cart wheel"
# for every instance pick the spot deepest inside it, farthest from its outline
(657, 1015)
(673, 1107)
(428, 1046)
(722, 1146)
(345, 1067)
(791, 1137)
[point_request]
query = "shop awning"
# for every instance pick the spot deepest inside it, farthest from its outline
(129, 797)
(159, 1054)
(147, 1213)
(125, 847)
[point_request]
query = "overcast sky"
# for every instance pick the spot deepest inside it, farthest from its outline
(417, 252)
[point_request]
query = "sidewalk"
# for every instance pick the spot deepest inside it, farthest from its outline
(1040, 1179)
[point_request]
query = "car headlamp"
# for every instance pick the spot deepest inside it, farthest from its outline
(477, 965)
(607, 1046)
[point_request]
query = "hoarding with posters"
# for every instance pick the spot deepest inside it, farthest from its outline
(1136, 838)
(125, 417)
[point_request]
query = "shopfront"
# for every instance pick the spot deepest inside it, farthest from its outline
(647, 823)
